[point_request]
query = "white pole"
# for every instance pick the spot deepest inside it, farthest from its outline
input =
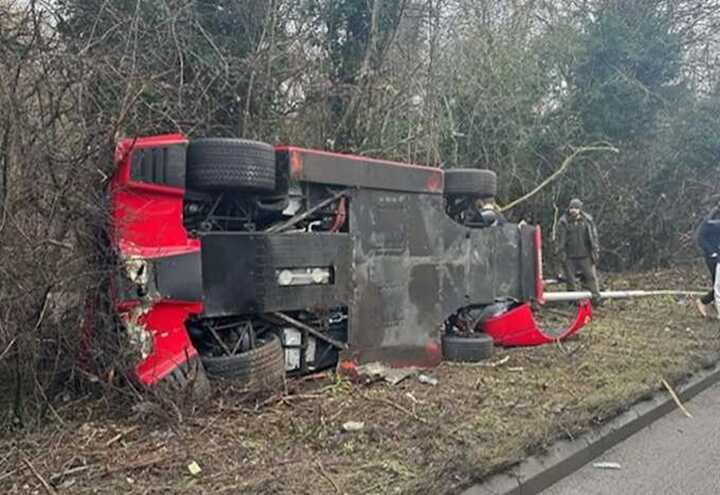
(617, 294)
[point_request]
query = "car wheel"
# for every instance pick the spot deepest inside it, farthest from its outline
(260, 367)
(467, 349)
(187, 380)
(215, 164)
(472, 181)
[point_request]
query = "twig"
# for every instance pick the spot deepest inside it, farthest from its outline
(135, 465)
(39, 477)
(68, 472)
(120, 435)
(397, 406)
(325, 475)
(7, 474)
(675, 398)
(61, 244)
(9, 346)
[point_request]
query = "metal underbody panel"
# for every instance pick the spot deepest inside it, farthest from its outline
(413, 267)
(403, 269)
(240, 271)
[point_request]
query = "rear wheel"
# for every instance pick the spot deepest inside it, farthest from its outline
(222, 164)
(470, 181)
(467, 349)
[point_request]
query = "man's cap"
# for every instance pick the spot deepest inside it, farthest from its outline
(576, 203)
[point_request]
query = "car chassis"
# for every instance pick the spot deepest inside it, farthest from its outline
(346, 259)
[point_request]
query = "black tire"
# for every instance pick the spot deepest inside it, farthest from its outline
(215, 164)
(470, 349)
(473, 181)
(188, 380)
(261, 367)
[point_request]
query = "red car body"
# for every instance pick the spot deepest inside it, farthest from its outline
(147, 226)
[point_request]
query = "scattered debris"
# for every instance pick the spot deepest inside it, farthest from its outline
(413, 398)
(373, 372)
(403, 446)
(67, 484)
(145, 407)
(353, 426)
(481, 364)
(121, 434)
(194, 468)
(428, 380)
(499, 363)
(607, 465)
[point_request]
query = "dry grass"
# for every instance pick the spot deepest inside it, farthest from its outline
(417, 438)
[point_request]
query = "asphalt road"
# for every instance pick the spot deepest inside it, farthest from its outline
(675, 455)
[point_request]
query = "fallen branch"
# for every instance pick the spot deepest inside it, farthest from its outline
(75, 470)
(565, 165)
(396, 406)
(675, 398)
(120, 435)
(325, 475)
(143, 463)
(39, 477)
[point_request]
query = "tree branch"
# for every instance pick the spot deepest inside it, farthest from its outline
(565, 165)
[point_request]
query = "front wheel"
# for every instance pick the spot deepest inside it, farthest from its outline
(261, 367)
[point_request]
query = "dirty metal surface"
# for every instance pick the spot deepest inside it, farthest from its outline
(315, 166)
(402, 270)
(239, 271)
(414, 267)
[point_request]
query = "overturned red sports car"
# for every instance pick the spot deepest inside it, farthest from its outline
(247, 261)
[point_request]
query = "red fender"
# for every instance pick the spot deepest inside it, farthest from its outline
(147, 222)
(518, 327)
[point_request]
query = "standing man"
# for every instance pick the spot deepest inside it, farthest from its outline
(708, 236)
(579, 249)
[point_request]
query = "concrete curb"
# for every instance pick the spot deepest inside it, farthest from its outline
(565, 457)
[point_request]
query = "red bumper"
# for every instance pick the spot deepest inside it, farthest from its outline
(518, 327)
(147, 216)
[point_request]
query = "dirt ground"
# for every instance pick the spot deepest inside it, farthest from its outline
(416, 437)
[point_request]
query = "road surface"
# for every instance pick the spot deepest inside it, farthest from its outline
(675, 455)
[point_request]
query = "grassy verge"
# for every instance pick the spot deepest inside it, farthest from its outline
(417, 438)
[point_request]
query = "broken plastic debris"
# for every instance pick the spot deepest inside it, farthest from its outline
(353, 426)
(194, 468)
(607, 465)
(375, 371)
(427, 379)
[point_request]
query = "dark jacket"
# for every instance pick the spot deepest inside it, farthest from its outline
(708, 233)
(591, 236)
